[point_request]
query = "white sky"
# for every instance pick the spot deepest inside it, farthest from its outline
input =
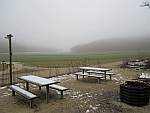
(62, 24)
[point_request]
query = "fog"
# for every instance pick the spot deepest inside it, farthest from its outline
(62, 24)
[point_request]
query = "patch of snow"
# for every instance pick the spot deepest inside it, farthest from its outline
(85, 102)
(101, 94)
(3, 87)
(94, 108)
(115, 79)
(90, 106)
(74, 96)
(89, 96)
(62, 77)
(98, 105)
(96, 94)
(87, 111)
(80, 95)
(6, 94)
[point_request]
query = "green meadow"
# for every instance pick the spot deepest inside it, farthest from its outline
(65, 60)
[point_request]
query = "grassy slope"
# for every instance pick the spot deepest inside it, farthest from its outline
(75, 59)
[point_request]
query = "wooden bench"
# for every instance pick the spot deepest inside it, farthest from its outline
(96, 72)
(99, 72)
(26, 94)
(88, 75)
(59, 88)
(97, 76)
(80, 74)
(110, 74)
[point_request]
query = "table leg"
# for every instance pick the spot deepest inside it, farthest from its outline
(105, 75)
(39, 87)
(13, 93)
(77, 77)
(83, 71)
(110, 76)
(30, 103)
(98, 80)
(83, 76)
(61, 94)
(27, 86)
(47, 94)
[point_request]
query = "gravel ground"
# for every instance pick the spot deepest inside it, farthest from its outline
(84, 96)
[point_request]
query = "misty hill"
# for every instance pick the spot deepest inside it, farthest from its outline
(114, 45)
(24, 48)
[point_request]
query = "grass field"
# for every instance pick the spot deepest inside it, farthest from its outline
(65, 60)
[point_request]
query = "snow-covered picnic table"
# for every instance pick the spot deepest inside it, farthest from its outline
(145, 75)
(40, 81)
(95, 69)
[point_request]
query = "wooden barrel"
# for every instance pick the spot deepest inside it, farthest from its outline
(135, 93)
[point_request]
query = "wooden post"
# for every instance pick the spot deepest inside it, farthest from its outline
(3, 70)
(77, 77)
(9, 36)
(61, 94)
(98, 80)
(83, 76)
(47, 94)
(27, 86)
(83, 71)
(105, 75)
(110, 76)
(10, 65)
(13, 93)
(30, 103)
(39, 87)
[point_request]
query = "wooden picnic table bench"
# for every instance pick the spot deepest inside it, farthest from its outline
(59, 88)
(84, 69)
(26, 94)
(88, 75)
(39, 81)
(101, 73)
(80, 74)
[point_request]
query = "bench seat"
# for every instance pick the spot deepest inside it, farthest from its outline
(100, 72)
(81, 74)
(28, 95)
(96, 76)
(88, 75)
(59, 88)
(96, 72)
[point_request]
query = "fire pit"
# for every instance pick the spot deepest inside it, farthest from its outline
(135, 93)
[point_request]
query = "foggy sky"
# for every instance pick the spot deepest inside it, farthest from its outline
(62, 24)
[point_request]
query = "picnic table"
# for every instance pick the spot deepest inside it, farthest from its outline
(104, 70)
(39, 81)
(144, 77)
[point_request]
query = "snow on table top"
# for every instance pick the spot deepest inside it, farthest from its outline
(28, 94)
(37, 80)
(93, 68)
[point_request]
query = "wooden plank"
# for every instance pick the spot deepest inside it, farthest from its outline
(23, 92)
